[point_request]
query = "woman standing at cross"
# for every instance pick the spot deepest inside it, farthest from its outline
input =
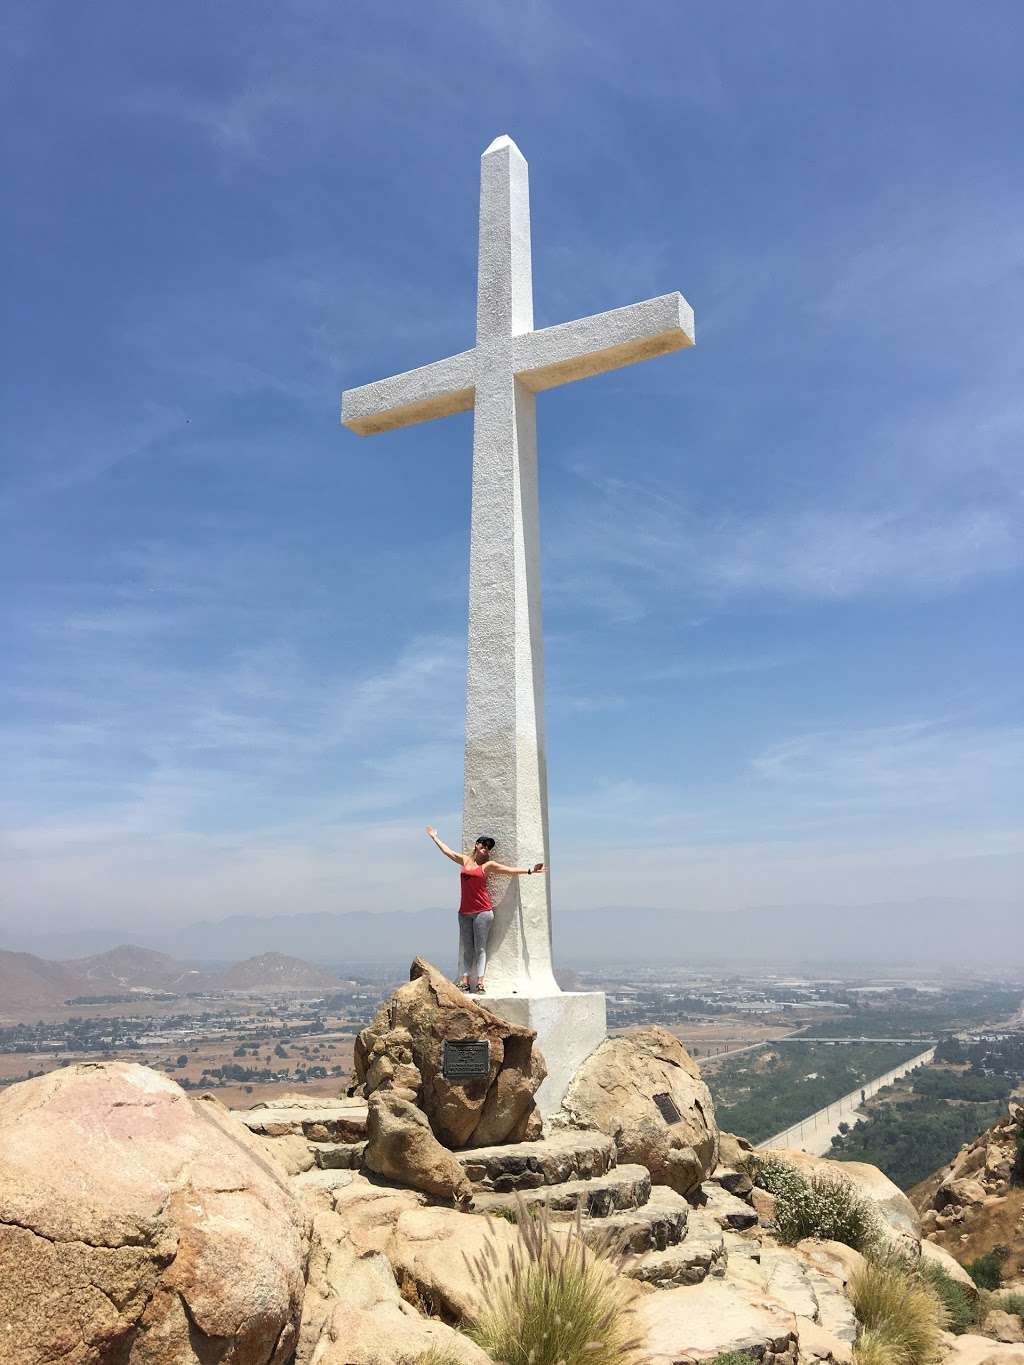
(476, 909)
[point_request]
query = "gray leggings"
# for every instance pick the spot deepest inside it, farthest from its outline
(473, 931)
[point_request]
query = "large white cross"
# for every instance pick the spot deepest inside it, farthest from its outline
(505, 792)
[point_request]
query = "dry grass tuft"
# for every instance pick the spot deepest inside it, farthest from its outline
(1010, 1301)
(874, 1348)
(437, 1355)
(902, 1317)
(555, 1301)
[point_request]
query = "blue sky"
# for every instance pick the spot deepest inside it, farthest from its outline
(782, 571)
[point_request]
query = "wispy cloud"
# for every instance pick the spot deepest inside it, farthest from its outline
(629, 535)
(922, 764)
(263, 779)
(60, 453)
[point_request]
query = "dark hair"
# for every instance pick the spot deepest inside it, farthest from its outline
(486, 840)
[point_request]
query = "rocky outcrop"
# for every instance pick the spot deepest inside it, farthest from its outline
(402, 1051)
(644, 1090)
(974, 1204)
(984, 1167)
(400, 1146)
(137, 1225)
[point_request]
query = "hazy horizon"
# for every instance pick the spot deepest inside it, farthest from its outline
(925, 935)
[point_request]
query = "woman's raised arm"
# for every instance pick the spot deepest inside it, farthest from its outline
(448, 852)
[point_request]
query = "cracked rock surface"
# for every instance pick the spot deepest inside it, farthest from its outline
(140, 1227)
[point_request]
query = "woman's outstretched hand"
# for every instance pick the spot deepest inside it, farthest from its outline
(538, 867)
(432, 831)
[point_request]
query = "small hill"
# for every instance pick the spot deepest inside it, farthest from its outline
(127, 968)
(28, 982)
(271, 972)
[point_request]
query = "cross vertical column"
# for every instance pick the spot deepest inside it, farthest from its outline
(505, 791)
(506, 779)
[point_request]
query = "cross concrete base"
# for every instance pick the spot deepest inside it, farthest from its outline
(569, 1026)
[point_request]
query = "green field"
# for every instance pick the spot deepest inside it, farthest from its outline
(919, 1124)
(761, 1092)
(917, 1017)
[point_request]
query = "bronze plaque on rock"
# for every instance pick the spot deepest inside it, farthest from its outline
(667, 1105)
(466, 1059)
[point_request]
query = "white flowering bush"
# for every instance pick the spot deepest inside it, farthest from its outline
(825, 1205)
(776, 1176)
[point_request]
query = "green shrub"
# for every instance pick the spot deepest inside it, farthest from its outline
(986, 1271)
(826, 1206)
(732, 1358)
(901, 1316)
(1011, 1302)
(962, 1307)
(554, 1301)
(437, 1355)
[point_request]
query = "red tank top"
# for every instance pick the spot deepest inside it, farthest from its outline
(475, 896)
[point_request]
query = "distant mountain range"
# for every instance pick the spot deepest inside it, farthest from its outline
(28, 981)
(271, 972)
(925, 933)
(129, 968)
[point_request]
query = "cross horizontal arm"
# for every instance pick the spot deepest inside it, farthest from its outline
(435, 390)
(606, 341)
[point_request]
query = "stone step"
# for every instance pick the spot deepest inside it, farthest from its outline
(625, 1187)
(338, 1156)
(316, 1179)
(563, 1156)
(736, 1182)
(715, 1317)
(743, 1244)
(341, 1121)
(725, 1208)
(700, 1254)
(659, 1223)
